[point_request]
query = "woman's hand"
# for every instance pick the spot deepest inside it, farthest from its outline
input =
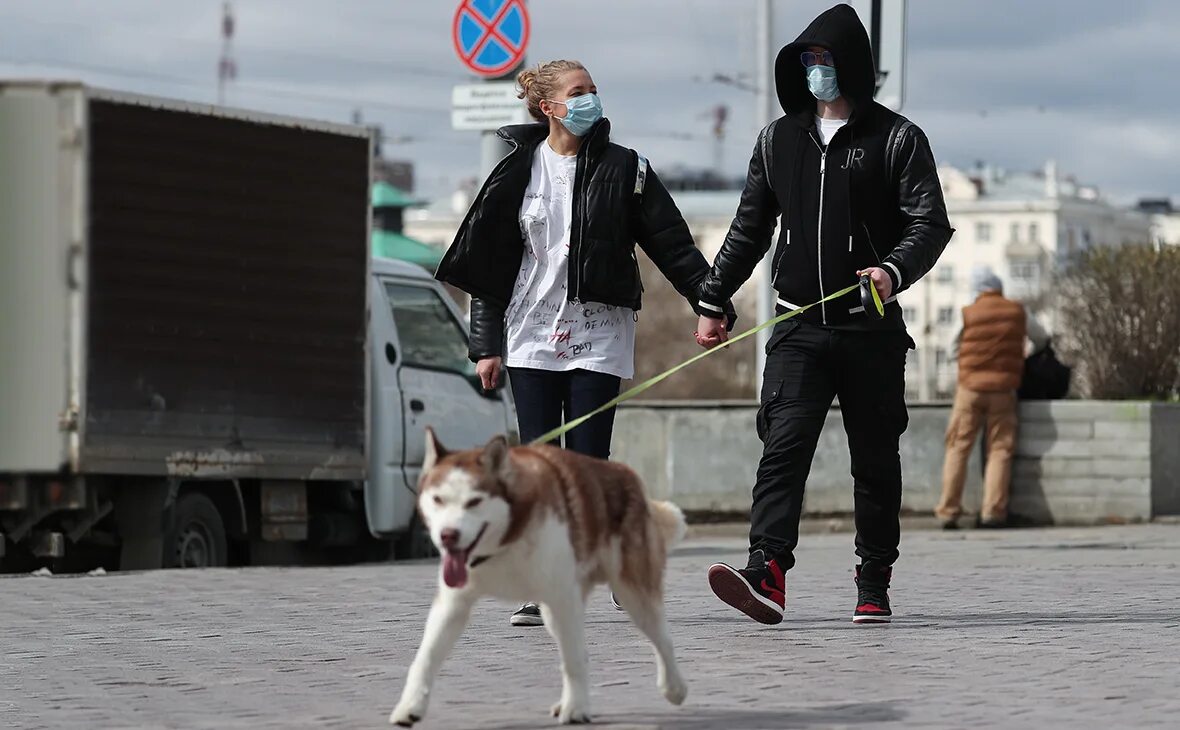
(488, 370)
(711, 332)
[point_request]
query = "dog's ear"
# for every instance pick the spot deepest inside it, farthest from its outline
(434, 451)
(495, 459)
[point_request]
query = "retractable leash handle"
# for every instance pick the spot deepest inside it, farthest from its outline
(870, 299)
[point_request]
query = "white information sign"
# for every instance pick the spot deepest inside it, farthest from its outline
(486, 106)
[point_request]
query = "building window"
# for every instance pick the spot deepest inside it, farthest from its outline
(946, 315)
(940, 359)
(909, 314)
(1033, 233)
(983, 232)
(946, 274)
(1023, 270)
(1015, 232)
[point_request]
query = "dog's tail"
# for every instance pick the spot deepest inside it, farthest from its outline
(669, 521)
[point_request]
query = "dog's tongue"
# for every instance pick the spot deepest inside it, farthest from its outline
(455, 569)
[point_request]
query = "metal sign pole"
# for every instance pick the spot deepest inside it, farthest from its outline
(492, 148)
(763, 114)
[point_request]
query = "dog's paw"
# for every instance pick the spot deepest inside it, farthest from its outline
(576, 714)
(674, 690)
(409, 711)
(403, 718)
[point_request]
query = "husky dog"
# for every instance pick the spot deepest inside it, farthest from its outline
(543, 524)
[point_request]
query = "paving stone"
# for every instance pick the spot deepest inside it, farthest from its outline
(1075, 628)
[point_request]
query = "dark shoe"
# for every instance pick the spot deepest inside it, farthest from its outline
(872, 596)
(994, 523)
(950, 525)
(759, 590)
(527, 615)
(614, 601)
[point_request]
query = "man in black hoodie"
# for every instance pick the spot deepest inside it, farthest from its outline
(858, 191)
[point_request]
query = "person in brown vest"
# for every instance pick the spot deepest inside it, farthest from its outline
(991, 352)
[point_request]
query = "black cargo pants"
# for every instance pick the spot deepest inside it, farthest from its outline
(806, 367)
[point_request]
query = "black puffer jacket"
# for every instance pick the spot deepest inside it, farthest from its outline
(615, 206)
(870, 198)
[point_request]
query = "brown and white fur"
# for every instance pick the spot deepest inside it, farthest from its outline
(547, 525)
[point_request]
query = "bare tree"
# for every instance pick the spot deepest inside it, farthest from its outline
(1121, 310)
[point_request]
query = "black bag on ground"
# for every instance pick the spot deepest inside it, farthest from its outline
(1045, 377)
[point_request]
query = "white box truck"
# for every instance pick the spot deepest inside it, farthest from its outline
(200, 363)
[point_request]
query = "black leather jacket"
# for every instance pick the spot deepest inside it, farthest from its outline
(870, 197)
(615, 206)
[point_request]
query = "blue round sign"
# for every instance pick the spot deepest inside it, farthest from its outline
(490, 36)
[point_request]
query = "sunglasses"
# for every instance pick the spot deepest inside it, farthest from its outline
(816, 59)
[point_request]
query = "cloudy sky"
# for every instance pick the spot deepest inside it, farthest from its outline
(1091, 83)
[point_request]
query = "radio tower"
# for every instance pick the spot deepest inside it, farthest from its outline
(227, 68)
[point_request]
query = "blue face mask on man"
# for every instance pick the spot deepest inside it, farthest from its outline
(582, 112)
(821, 81)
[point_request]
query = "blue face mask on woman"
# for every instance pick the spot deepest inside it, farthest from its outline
(821, 81)
(581, 113)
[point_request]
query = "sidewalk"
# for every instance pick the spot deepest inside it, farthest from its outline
(1071, 628)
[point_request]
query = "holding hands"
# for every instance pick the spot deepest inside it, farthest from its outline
(710, 332)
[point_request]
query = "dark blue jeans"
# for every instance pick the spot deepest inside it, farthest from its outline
(543, 398)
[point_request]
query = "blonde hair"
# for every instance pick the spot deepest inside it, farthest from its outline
(540, 82)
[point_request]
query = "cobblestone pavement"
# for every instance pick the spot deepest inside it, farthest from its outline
(1020, 629)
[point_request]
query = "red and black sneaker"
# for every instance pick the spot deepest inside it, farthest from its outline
(872, 596)
(759, 590)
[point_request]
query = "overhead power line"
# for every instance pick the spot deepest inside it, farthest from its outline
(252, 88)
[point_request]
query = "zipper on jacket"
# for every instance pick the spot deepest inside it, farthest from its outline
(574, 275)
(819, 229)
(579, 215)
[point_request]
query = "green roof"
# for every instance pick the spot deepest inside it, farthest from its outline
(386, 195)
(390, 245)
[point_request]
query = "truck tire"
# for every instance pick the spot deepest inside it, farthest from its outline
(414, 543)
(197, 537)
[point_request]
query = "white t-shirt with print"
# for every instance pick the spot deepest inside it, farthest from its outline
(544, 329)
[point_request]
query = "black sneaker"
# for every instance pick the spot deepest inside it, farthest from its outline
(759, 590)
(614, 601)
(872, 596)
(527, 615)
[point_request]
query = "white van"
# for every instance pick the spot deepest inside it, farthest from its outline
(421, 377)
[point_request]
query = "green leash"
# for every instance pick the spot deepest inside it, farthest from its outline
(636, 390)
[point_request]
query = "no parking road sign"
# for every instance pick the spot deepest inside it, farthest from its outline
(491, 36)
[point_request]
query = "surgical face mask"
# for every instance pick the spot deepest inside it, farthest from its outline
(821, 81)
(581, 113)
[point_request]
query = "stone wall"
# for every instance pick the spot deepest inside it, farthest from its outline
(1077, 462)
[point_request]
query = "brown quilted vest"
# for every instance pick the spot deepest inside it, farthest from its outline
(991, 354)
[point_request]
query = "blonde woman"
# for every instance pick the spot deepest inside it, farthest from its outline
(547, 252)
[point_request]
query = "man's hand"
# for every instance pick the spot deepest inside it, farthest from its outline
(881, 280)
(488, 370)
(711, 332)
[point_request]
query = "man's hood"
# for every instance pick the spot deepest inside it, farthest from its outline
(841, 32)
